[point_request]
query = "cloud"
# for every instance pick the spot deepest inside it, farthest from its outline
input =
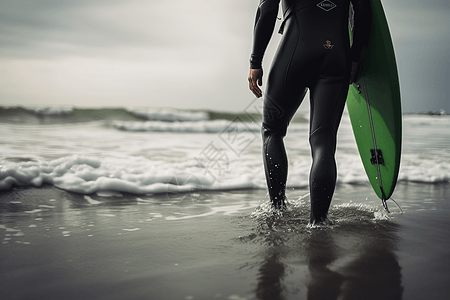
(173, 52)
(46, 29)
(187, 54)
(54, 28)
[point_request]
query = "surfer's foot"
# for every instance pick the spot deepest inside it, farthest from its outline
(279, 204)
(320, 222)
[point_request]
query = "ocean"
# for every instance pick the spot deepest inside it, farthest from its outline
(140, 151)
(159, 203)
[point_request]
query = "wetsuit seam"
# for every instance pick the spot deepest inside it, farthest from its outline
(323, 126)
(339, 98)
(290, 60)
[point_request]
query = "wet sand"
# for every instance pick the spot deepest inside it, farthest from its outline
(60, 245)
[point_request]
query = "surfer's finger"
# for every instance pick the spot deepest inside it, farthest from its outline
(255, 89)
(258, 93)
(254, 79)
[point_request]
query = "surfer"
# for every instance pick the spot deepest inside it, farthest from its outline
(313, 54)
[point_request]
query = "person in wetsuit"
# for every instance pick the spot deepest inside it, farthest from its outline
(314, 53)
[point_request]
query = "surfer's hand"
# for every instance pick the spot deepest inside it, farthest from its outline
(353, 72)
(255, 79)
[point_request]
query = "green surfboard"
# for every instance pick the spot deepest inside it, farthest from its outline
(374, 107)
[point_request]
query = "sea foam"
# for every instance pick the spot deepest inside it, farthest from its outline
(88, 175)
(91, 158)
(169, 115)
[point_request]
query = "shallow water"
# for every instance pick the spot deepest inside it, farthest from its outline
(223, 245)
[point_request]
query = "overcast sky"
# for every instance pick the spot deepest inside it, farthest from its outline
(190, 54)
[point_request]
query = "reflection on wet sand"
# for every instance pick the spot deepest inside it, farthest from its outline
(350, 260)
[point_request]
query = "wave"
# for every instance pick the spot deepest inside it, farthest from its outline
(169, 115)
(214, 126)
(70, 114)
(87, 175)
(61, 114)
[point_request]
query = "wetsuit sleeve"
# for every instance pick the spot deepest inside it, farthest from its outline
(266, 16)
(362, 24)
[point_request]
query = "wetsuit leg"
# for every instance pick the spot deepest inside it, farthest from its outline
(283, 96)
(275, 166)
(322, 179)
(327, 103)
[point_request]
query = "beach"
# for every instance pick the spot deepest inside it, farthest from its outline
(59, 245)
(102, 208)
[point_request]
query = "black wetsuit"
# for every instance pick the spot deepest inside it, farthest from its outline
(314, 53)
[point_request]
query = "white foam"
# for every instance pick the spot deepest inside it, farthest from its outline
(91, 201)
(109, 177)
(33, 211)
(89, 175)
(381, 215)
(419, 168)
(201, 126)
(131, 229)
(215, 126)
(167, 114)
(113, 162)
(47, 206)
(109, 194)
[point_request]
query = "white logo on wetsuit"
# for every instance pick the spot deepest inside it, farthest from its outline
(326, 5)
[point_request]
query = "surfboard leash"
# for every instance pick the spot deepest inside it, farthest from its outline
(386, 207)
(383, 201)
(376, 156)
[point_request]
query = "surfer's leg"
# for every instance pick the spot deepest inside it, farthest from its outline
(327, 104)
(275, 166)
(285, 91)
(322, 179)
(277, 115)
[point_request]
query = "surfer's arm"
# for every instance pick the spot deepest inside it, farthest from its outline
(362, 24)
(266, 16)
